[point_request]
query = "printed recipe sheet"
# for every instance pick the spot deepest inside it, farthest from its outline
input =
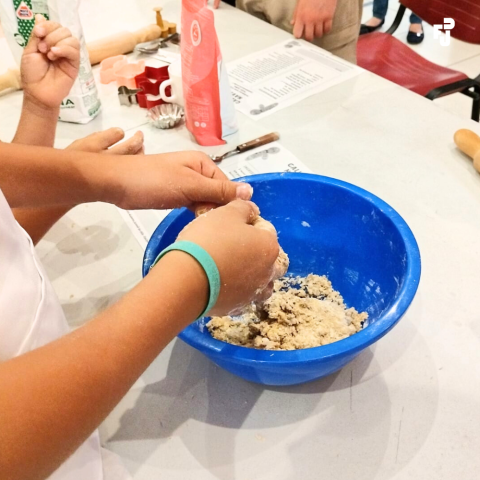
(284, 74)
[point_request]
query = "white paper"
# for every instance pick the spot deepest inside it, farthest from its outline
(269, 158)
(267, 81)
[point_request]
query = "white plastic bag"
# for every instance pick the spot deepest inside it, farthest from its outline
(18, 19)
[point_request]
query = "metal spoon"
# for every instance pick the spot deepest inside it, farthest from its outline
(153, 47)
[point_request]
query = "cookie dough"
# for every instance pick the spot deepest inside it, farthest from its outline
(282, 262)
(303, 312)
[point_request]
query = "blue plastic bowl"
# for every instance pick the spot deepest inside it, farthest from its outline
(327, 227)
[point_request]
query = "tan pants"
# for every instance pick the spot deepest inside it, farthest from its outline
(341, 41)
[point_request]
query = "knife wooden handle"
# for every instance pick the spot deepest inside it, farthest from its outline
(258, 142)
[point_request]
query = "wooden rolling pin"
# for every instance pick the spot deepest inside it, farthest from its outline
(469, 143)
(118, 44)
(121, 43)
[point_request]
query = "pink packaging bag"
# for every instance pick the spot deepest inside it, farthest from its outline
(200, 55)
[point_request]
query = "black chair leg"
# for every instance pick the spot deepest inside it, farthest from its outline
(474, 94)
(476, 105)
(469, 87)
(398, 20)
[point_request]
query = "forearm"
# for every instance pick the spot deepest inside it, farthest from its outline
(38, 221)
(37, 127)
(54, 397)
(37, 124)
(44, 177)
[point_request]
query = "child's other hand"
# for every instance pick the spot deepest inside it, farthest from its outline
(245, 255)
(50, 63)
(107, 140)
(180, 179)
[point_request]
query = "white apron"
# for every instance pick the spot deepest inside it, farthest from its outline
(31, 316)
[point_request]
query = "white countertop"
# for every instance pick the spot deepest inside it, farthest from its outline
(407, 408)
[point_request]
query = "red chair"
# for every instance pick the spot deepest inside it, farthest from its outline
(383, 54)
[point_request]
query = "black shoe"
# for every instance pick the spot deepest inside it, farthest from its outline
(368, 29)
(415, 38)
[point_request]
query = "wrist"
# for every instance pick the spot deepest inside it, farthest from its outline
(37, 123)
(115, 173)
(32, 106)
(185, 282)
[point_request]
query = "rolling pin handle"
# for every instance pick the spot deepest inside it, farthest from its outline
(469, 143)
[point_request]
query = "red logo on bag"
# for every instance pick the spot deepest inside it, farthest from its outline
(24, 12)
(196, 33)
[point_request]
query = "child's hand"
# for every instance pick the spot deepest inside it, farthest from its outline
(245, 256)
(172, 180)
(313, 18)
(105, 142)
(50, 64)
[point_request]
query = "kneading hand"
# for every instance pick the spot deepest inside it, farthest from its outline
(245, 255)
(50, 63)
(313, 18)
(180, 179)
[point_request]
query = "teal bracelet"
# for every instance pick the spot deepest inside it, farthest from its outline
(205, 261)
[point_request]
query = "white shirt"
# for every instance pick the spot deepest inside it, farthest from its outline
(31, 316)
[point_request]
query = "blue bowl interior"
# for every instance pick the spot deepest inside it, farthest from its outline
(332, 228)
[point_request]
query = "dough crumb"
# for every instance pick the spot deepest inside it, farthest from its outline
(282, 263)
(303, 312)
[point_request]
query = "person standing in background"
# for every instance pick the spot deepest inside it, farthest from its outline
(330, 24)
(415, 33)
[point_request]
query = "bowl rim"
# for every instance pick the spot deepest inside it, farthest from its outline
(341, 348)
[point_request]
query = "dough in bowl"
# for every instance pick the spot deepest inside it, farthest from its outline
(303, 312)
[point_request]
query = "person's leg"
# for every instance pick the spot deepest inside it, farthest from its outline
(341, 41)
(253, 7)
(415, 32)
(415, 19)
(278, 13)
(380, 8)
